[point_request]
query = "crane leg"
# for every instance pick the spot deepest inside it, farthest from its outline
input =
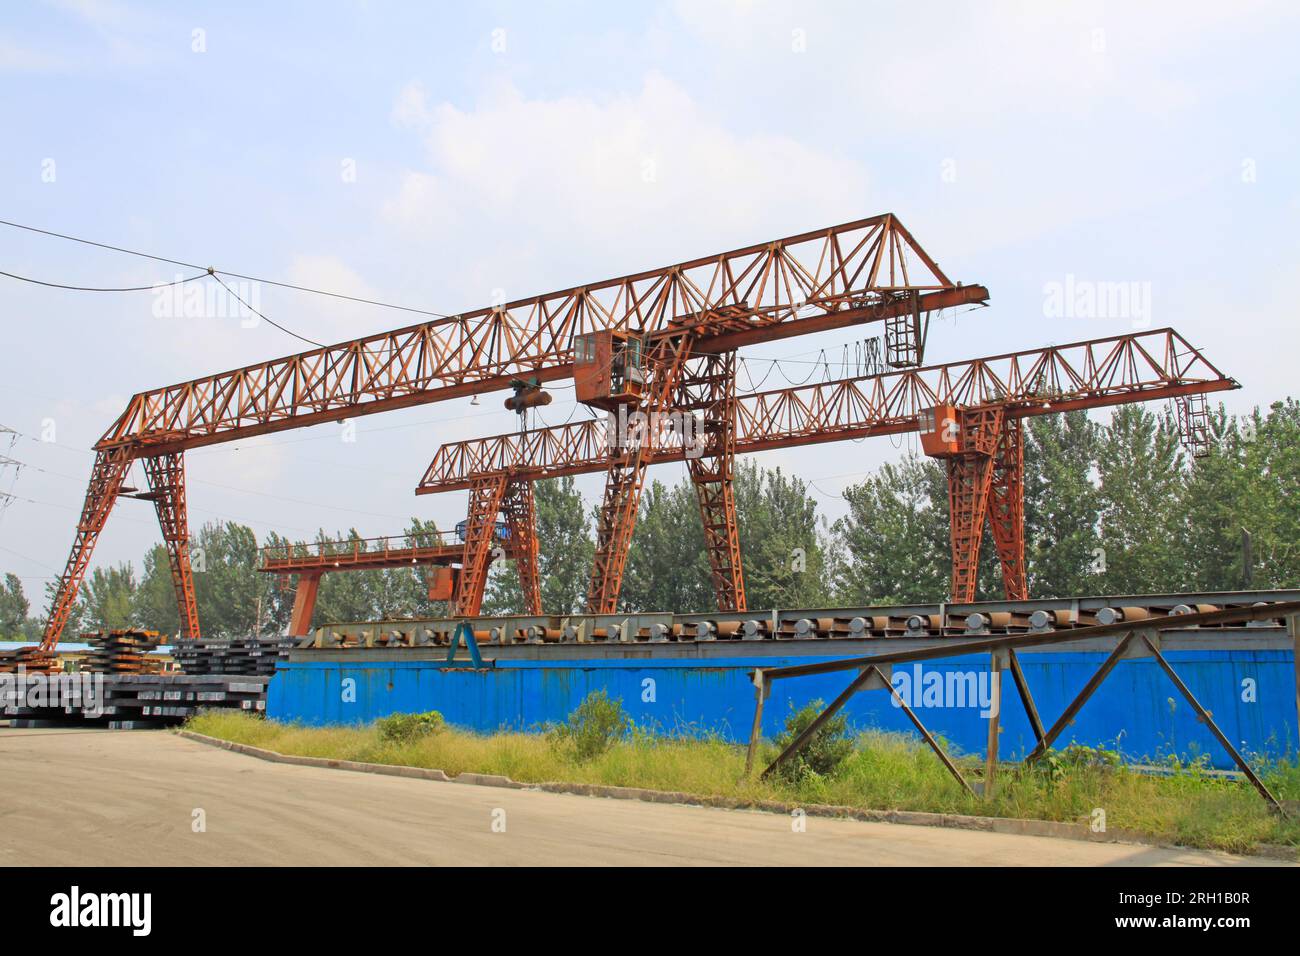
(304, 605)
(521, 523)
(166, 476)
(970, 479)
(710, 459)
(1007, 509)
(105, 479)
(625, 478)
(614, 525)
(485, 497)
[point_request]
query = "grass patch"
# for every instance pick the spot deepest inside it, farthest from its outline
(881, 771)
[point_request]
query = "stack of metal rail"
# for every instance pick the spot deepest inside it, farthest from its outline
(127, 701)
(122, 651)
(247, 656)
(31, 660)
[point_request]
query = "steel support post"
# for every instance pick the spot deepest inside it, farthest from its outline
(105, 479)
(304, 604)
(1006, 508)
(762, 687)
(870, 675)
(708, 392)
(1208, 720)
(1026, 698)
(485, 498)
(970, 479)
(1080, 699)
(995, 724)
(166, 477)
(521, 528)
(929, 738)
(831, 710)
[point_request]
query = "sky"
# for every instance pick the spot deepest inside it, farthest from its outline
(446, 156)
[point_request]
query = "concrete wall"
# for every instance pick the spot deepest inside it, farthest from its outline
(1137, 709)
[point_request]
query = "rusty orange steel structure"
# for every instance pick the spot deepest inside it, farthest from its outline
(867, 270)
(309, 562)
(981, 401)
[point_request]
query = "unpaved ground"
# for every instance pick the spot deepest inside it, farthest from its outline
(94, 797)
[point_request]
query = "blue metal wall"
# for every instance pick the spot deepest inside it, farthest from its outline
(1137, 709)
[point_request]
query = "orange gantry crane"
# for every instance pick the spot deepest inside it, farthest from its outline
(967, 413)
(686, 318)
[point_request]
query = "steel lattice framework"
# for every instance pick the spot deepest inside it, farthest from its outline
(863, 270)
(986, 478)
(867, 270)
(1151, 365)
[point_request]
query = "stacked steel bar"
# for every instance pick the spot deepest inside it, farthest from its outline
(122, 651)
(248, 656)
(30, 659)
(143, 700)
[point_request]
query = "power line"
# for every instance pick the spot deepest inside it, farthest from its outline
(211, 270)
(82, 288)
(240, 300)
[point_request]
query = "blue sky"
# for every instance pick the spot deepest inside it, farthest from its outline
(505, 147)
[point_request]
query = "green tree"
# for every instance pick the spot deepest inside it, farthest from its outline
(1062, 504)
(1249, 483)
(566, 550)
(108, 594)
(1272, 502)
(346, 597)
(154, 605)
(76, 614)
(667, 568)
(1141, 478)
(894, 538)
(782, 542)
(13, 609)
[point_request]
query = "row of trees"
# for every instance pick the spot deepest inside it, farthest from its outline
(1109, 508)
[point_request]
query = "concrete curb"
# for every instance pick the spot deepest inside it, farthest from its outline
(917, 818)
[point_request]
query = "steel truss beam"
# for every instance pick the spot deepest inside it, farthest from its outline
(708, 393)
(1146, 366)
(309, 562)
(857, 272)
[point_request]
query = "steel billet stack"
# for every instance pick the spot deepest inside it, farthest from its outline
(128, 701)
(122, 651)
(31, 660)
(248, 656)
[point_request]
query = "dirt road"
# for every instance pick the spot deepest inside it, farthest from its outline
(132, 798)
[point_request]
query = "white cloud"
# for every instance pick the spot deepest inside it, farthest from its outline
(556, 184)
